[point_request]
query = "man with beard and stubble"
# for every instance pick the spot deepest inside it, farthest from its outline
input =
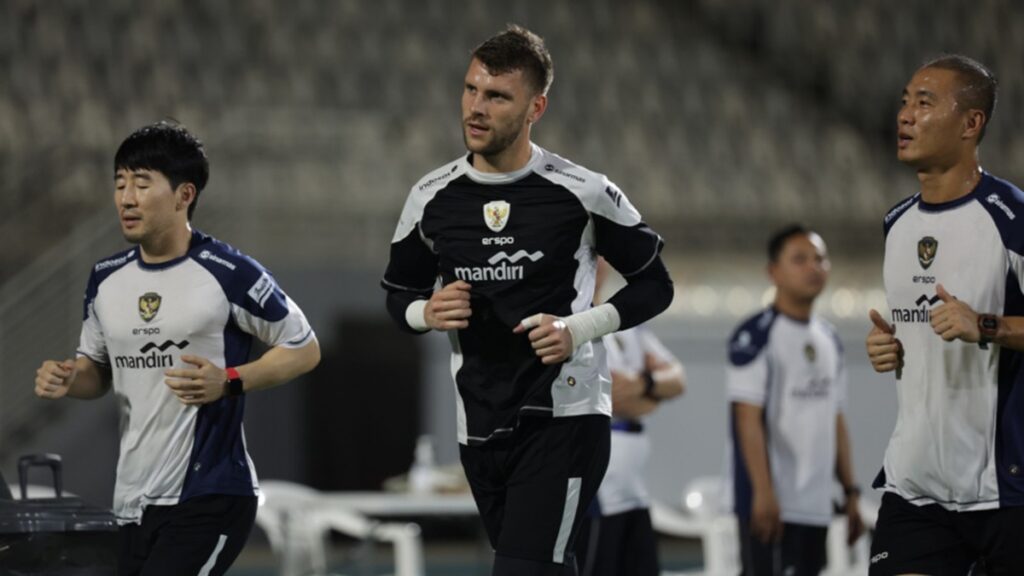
(498, 249)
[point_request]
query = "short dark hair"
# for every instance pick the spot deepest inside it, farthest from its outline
(778, 240)
(978, 85)
(166, 147)
(516, 48)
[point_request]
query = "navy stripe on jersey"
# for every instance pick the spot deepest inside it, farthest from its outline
(219, 464)
(245, 282)
(100, 271)
(896, 211)
(1009, 408)
(750, 337)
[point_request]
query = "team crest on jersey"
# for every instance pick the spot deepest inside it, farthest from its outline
(810, 353)
(149, 305)
(496, 214)
(926, 249)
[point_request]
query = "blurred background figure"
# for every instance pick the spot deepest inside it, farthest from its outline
(617, 538)
(787, 384)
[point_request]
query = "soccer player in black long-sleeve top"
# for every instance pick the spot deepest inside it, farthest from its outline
(498, 248)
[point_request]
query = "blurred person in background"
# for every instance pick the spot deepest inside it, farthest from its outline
(617, 539)
(786, 383)
(169, 324)
(498, 249)
(953, 475)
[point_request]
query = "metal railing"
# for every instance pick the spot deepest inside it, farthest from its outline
(40, 318)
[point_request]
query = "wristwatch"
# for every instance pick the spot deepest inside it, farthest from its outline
(233, 385)
(988, 326)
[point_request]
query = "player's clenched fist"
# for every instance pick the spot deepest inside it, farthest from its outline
(549, 336)
(53, 379)
(448, 308)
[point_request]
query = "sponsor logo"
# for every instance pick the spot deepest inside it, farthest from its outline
(998, 203)
(498, 241)
(615, 195)
(501, 267)
(879, 557)
(927, 247)
(163, 347)
(551, 168)
(496, 214)
(207, 255)
(815, 388)
(149, 305)
(899, 209)
(920, 314)
(438, 179)
(155, 358)
(113, 262)
(924, 279)
(151, 331)
(262, 289)
(810, 353)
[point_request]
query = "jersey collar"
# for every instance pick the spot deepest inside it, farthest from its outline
(979, 190)
(503, 177)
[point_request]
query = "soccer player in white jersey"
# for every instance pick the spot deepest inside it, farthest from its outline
(786, 383)
(953, 473)
(512, 232)
(168, 325)
(618, 538)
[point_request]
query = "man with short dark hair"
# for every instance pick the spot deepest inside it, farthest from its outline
(512, 232)
(169, 324)
(953, 474)
(786, 383)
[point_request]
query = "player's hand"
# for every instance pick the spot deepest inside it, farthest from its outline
(448, 308)
(626, 386)
(953, 319)
(765, 517)
(53, 379)
(196, 386)
(854, 523)
(549, 336)
(884, 350)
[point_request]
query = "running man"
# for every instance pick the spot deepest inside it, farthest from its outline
(169, 324)
(512, 233)
(953, 474)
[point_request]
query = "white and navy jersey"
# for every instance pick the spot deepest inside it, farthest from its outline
(959, 436)
(623, 487)
(139, 320)
(527, 242)
(794, 370)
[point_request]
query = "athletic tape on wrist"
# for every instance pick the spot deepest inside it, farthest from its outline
(593, 323)
(415, 317)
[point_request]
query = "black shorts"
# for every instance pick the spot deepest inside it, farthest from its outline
(618, 544)
(532, 490)
(203, 536)
(800, 553)
(935, 541)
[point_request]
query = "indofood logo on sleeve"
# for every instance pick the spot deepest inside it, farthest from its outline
(496, 214)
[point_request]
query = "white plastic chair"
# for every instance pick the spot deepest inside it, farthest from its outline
(298, 519)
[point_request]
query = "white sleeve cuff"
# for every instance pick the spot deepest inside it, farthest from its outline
(593, 323)
(414, 316)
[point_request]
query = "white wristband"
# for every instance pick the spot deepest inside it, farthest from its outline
(593, 323)
(414, 316)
